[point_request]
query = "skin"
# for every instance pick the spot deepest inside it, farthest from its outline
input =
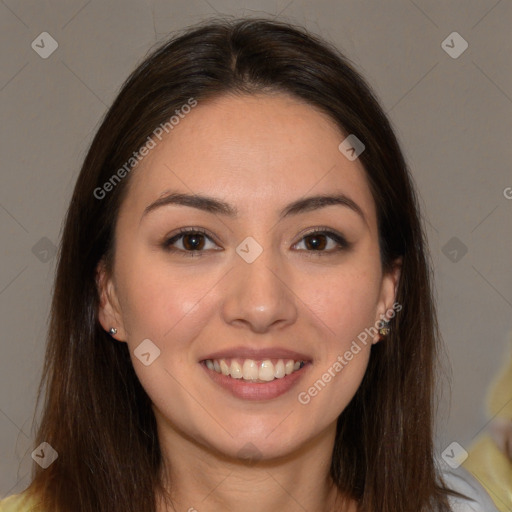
(258, 153)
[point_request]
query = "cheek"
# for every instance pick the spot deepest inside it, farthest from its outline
(171, 307)
(342, 306)
(345, 312)
(344, 300)
(163, 303)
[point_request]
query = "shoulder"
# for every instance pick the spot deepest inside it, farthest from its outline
(462, 481)
(18, 503)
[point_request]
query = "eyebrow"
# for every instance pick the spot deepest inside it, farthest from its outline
(216, 206)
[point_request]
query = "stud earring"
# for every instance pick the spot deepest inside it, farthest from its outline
(384, 330)
(112, 331)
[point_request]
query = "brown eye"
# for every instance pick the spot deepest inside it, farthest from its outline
(319, 241)
(191, 240)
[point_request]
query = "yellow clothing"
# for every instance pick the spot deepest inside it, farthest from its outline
(18, 503)
(492, 468)
(487, 463)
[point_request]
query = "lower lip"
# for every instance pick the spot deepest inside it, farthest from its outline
(257, 390)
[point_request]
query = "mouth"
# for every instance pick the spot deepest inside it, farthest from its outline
(260, 377)
(252, 370)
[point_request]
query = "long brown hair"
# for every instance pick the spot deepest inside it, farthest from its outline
(96, 414)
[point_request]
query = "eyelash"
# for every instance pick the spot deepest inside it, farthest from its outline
(336, 237)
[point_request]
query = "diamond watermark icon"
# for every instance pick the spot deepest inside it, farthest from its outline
(351, 147)
(146, 352)
(454, 45)
(454, 455)
(249, 249)
(250, 454)
(44, 455)
(44, 45)
(454, 249)
(44, 250)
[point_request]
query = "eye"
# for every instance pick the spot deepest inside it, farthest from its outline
(317, 240)
(192, 241)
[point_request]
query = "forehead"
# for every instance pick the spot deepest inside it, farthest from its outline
(251, 150)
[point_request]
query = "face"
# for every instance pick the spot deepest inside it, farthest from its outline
(270, 294)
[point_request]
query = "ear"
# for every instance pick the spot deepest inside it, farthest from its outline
(388, 291)
(109, 312)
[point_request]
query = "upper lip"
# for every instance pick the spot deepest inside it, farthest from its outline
(258, 354)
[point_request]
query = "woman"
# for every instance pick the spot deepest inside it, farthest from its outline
(242, 315)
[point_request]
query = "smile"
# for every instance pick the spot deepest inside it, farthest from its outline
(252, 370)
(255, 379)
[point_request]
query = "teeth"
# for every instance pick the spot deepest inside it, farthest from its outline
(236, 370)
(279, 369)
(251, 370)
(266, 371)
(224, 368)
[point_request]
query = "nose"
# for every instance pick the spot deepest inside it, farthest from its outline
(259, 295)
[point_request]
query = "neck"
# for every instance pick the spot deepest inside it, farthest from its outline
(201, 480)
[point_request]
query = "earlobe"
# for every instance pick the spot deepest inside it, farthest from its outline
(386, 308)
(109, 312)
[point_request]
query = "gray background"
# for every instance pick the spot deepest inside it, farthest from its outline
(452, 116)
